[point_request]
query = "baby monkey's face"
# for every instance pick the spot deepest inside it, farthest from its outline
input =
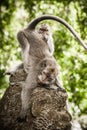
(49, 71)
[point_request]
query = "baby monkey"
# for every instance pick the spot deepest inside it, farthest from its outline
(48, 72)
(48, 77)
(45, 33)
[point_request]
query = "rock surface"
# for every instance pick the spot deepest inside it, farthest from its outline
(47, 109)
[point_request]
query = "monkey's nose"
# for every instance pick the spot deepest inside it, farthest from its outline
(44, 72)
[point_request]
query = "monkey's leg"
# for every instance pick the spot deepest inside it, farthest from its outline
(22, 39)
(51, 45)
(25, 48)
(25, 97)
(28, 87)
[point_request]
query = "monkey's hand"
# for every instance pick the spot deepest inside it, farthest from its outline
(11, 73)
(59, 87)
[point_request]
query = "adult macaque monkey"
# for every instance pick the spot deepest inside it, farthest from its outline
(35, 51)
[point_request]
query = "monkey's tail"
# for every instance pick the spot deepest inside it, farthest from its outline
(34, 22)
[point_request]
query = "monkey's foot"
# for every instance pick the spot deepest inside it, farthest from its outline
(61, 89)
(22, 117)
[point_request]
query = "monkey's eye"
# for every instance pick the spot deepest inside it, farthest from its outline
(40, 29)
(47, 30)
(43, 65)
(52, 70)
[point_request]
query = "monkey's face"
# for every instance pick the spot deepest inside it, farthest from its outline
(44, 29)
(49, 71)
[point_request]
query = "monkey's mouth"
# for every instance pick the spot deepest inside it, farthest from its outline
(45, 79)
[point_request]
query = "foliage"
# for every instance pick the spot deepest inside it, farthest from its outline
(71, 56)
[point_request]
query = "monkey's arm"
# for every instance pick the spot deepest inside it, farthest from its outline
(27, 88)
(22, 40)
(51, 44)
(59, 86)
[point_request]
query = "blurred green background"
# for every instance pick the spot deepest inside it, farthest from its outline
(15, 15)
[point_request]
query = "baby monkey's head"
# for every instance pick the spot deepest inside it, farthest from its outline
(49, 70)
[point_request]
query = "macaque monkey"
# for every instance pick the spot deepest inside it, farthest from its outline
(49, 71)
(46, 35)
(48, 77)
(35, 51)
